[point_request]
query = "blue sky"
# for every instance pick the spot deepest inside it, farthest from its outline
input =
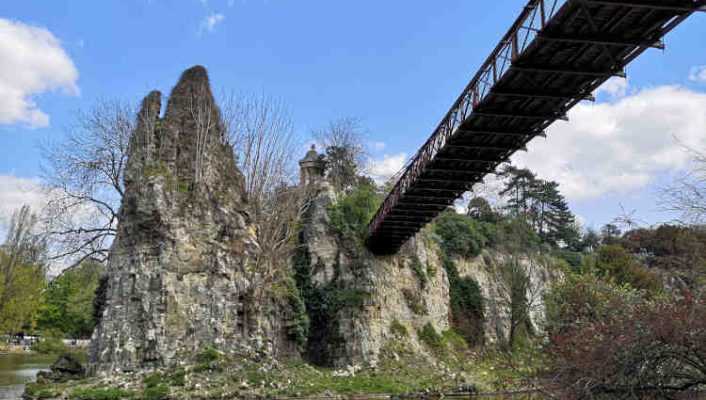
(396, 65)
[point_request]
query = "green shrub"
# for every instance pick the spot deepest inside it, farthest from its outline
(398, 329)
(178, 378)
(101, 394)
(41, 391)
(616, 263)
(467, 304)
(453, 338)
(50, 345)
(418, 269)
(460, 235)
(351, 214)
(153, 379)
(208, 354)
(157, 392)
(429, 336)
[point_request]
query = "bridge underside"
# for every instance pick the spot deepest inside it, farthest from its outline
(555, 55)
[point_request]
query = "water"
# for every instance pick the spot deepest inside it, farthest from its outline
(18, 369)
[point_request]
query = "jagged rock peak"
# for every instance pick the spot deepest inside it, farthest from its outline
(180, 273)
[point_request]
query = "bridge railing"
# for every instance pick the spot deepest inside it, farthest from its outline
(521, 35)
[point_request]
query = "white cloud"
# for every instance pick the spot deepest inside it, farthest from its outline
(698, 74)
(614, 87)
(16, 192)
(209, 23)
(33, 62)
(389, 165)
(619, 147)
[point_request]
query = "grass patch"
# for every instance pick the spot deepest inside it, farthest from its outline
(101, 394)
(429, 336)
(397, 329)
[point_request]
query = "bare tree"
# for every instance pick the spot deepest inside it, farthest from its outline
(206, 119)
(83, 175)
(265, 146)
(342, 141)
(687, 194)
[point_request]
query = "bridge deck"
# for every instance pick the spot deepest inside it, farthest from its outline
(554, 56)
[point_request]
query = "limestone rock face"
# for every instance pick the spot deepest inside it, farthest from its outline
(368, 292)
(363, 295)
(180, 275)
(489, 271)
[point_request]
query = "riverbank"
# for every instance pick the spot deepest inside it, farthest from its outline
(453, 368)
(18, 369)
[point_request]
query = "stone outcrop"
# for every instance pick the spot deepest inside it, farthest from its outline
(490, 271)
(410, 288)
(180, 276)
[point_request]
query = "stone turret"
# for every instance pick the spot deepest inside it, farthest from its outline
(311, 167)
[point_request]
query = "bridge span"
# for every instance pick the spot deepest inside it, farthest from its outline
(556, 54)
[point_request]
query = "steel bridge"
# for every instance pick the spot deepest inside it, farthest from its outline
(556, 54)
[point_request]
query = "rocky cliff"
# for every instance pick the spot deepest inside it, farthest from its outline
(180, 276)
(366, 298)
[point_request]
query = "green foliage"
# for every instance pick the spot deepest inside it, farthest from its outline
(460, 235)
(178, 378)
(342, 166)
(419, 272)
(159, 392)
(323, 306)
(573, 258)
(455, 340)
(20, 293)
(429, 336)
(101, 394)
(584, 298)
(41, 391)
(616, 263)
(540, 203)
(68, 301)
(467, 305)
(351, 214)
(208, 355)
(297, 319)
(397, 329)
(156, 387)
(21, 273)
(51, 343)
